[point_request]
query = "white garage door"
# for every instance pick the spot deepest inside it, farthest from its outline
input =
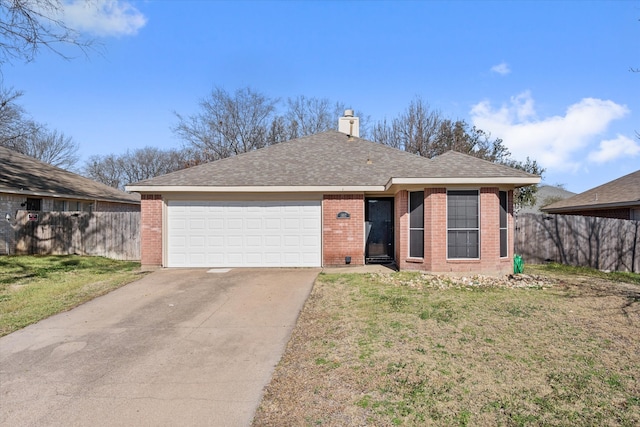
(244, 234)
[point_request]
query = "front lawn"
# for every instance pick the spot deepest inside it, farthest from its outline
(35, 287)
(558, 348)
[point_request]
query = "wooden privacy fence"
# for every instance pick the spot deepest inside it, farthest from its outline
(602, 243)
(113, 235)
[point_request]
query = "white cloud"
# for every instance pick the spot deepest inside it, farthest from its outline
(613, 149)
(103, 17)
(554, 141)
(502, 69)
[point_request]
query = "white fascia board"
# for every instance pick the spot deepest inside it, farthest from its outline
(518, 182)
(249, 189)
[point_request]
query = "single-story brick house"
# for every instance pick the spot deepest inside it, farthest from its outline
(333, 199)
(619, 198)
(27, 184)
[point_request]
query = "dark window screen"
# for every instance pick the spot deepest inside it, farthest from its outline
(463, 223)
(416, 224)
(503, 224)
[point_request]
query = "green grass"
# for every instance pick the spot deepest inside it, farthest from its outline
(35, 287)
(616, 276)
(403, 354)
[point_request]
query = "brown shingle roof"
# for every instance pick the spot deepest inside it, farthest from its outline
(624, 191)
(453, 164)
(328, 159)
(22, 174)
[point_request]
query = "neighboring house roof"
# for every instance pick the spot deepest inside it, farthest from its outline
(20, 174)
(332, 161)
(621, 192)
(546, 195)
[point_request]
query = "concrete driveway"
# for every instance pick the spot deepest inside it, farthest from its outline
(176, 348)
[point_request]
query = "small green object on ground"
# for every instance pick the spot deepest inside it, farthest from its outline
(518, 264)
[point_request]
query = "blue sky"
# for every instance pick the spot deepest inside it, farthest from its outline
(551, 78)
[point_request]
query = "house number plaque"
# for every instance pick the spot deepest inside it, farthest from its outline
(343, 215)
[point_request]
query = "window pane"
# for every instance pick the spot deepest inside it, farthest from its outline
(34, 204)
(503, 209)
(462, 209)
(503, 242)
(463, 244)
(416, 243)
(473, 246)
(416, 209)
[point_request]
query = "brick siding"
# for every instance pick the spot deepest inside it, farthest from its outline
(151, 230)
(343, 237)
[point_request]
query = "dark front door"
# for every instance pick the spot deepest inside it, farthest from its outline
(379, 230)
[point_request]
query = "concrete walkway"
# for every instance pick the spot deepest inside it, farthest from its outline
(176, 348)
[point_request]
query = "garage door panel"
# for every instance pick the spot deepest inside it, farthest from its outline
(234, 258)
(254, 242)
(214, 259)
(215, 242)
(272, 241)
(254, 224)
(196, 242)
(272, 224)
(234, 224)
(215, 223)
(236, 234)
(234, 241)
(291, 224)
(197, 224)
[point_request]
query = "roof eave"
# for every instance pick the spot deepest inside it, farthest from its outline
(252, 189)
(515, 181)
(600, 206)
(67, 196)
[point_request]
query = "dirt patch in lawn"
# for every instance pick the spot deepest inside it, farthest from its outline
(414, 349)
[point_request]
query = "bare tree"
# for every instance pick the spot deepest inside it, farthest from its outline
(105, 169)
(20, 133)
(229, 124)
(425, 132)
(308, 116)
(29, 25)
(49, 146)
(458, 136)
(414, 130)
(137, 165)
(13, 124)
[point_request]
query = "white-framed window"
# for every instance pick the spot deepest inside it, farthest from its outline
(58, 205)
(463, 224)
(504, 245)
(33, 204)
(416, 224)
(74, 205)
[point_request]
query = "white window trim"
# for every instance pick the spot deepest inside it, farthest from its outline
(477, 190)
